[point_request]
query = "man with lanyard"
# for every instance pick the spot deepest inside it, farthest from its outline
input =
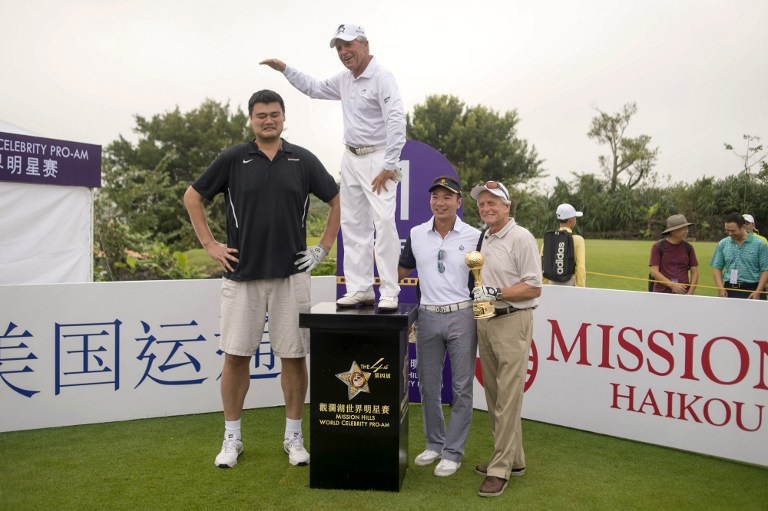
(511, 278)
(374, 135)
(740, 262)
(446, 323)
(267, 183)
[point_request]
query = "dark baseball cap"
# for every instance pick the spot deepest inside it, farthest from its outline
(448, 182)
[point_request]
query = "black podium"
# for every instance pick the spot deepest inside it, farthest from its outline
(358, 380)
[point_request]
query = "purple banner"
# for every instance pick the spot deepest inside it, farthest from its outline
(37, 160)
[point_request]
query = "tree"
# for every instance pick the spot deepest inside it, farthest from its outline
(144, 182)
(480, 143)
(751, 156)
(140, 224)
(631, 158)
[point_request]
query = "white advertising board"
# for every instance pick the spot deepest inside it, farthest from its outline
(684, 372)
(101, 352)
(679, 371)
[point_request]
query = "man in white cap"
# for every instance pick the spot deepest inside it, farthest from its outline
(567, 215)
(749, 225)
(374, 136)
(511, 281)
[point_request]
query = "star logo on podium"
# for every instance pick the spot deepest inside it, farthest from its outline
(356, 380)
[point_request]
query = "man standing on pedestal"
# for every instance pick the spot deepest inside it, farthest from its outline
(374, 136)
(437, 249)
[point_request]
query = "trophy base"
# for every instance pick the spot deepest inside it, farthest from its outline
(483, 310)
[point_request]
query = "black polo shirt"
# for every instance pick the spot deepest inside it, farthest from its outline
(267, 204)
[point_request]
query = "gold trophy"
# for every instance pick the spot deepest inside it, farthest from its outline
(482, 310)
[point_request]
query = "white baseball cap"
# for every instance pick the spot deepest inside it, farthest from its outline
(495, 188)
(566, 211)
(347, 32)
(749, 218)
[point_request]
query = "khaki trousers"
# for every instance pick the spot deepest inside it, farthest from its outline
(504, 343)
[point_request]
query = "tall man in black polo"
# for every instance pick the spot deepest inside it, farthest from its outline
(267, 183)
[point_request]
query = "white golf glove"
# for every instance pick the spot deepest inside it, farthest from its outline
(486, 294)
(310, 258)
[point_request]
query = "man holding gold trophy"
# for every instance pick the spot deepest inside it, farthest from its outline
(507, 270)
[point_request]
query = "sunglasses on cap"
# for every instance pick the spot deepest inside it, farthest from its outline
(493, 185)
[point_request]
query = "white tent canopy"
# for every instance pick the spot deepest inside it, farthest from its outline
(45, 229)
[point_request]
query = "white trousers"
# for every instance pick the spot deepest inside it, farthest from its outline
(364, 212)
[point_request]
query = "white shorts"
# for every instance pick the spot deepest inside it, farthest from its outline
(252, 308)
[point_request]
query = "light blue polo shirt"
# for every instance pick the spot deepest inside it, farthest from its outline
(750, 258)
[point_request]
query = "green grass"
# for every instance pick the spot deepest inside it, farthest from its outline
(198, 258)
(311, 241)
(167, 463)
(611, 264)
(618, 264)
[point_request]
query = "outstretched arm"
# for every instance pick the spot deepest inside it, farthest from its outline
(276, 64)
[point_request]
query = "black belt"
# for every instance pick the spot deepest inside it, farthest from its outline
(501, 311)
(742, 285)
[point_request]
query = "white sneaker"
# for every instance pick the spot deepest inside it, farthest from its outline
(388, 303)
(353, 299)
(294, 448)
(230, 451)
(427, 457)
(446, 468)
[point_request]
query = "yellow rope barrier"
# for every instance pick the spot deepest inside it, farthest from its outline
(408, 281)
(646, 279)
(412, 281)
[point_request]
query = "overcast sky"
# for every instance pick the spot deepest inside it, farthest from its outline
(80, 70)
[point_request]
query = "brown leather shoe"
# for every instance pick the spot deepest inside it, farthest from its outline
(483, 471)
(492, 487)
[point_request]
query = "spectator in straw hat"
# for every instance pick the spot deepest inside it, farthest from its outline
(674, 266)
